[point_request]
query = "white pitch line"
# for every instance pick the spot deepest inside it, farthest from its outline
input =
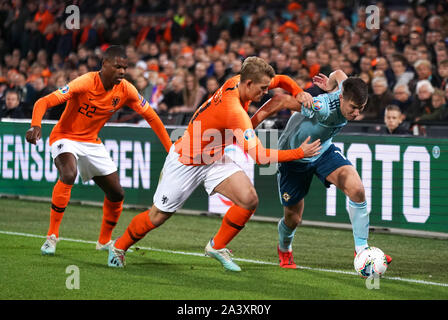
(236, 259)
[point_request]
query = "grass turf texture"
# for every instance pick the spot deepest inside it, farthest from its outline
(163, 274)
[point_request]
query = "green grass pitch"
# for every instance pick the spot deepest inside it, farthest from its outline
(169, 264)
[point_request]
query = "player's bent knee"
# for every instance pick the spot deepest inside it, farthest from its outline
(116, 195)
(293, 215)
(357, 193)
(157, 216)
(68, 177)
(251, 201)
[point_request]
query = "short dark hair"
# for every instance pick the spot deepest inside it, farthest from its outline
(356, 90)
(401, 58)
(114, 51)
(14, 91)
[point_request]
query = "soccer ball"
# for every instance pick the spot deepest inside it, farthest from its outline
(370, 262)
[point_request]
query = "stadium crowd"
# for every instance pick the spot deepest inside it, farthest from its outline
(180, 52)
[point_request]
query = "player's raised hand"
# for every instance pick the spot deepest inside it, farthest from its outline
(33, 134)
(321, 81)
(305, 99)
(310, 149)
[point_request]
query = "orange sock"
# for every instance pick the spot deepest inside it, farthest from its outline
(111, 214)
(232, 223)
(59, 201)
(137, 229)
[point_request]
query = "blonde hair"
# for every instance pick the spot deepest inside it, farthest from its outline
(422, 62)
(254, 68)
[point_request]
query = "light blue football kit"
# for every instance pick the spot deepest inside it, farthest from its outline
(322, 121)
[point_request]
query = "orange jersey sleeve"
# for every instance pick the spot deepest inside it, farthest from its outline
(248, 140)
(217, 123)
(286, 83)
(139, 104)
(77, 86)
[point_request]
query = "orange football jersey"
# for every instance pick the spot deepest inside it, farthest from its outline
(221, 120)
(90, 106)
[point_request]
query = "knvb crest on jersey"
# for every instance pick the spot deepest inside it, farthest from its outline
(115, 101)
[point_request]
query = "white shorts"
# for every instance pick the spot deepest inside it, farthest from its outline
(93, 160)
(178, 181)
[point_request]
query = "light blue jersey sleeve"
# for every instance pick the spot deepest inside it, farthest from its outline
(320, 110)
(322, 121)
(322, 105)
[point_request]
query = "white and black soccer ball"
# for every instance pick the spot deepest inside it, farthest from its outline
(370, 262)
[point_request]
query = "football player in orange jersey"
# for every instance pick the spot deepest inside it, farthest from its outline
(198, 157)
(92, 99)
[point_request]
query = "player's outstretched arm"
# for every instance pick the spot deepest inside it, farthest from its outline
(265, 156)
(288, 84)
(253, 146)
(157, 125)
(77, 86)
(40, 107)
(272, 106)
(329, 83)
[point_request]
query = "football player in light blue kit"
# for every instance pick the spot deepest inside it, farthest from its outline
(345, 100)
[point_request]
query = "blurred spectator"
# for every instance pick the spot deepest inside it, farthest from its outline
(378, 100)
(200, 71)
(25, 90)
(192, 94)
(423, 69)
(12, 107)
(235, 67)
(220, 71)
(211, 87)
(393, 119)
(311, 63)
(43, 18)
(144, 87)
(381, 64)
(443, 73)
(402, 97)
(365, 65)
(400, 73)
(438, 104)
(237, 28)
(56, 112)
(324, 62)
(422, 102)
(173, 97)
(347, 67)
(281, 64)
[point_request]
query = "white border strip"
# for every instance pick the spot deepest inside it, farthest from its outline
(236, 259)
